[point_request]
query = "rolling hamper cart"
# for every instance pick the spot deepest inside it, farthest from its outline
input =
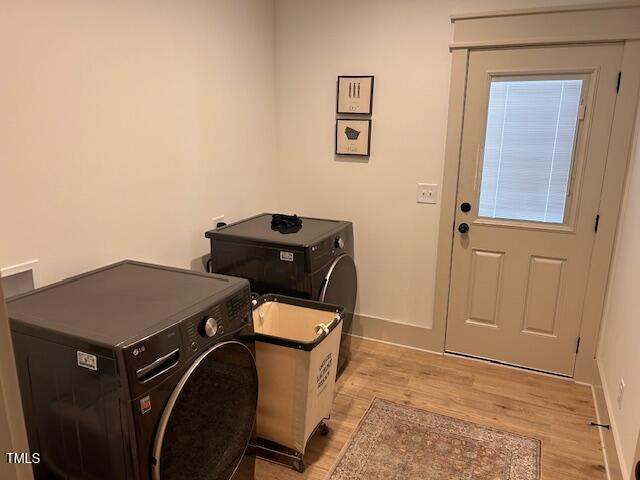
(297, 344)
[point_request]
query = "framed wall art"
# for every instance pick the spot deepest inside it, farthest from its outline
(353, 137)
(355, 94)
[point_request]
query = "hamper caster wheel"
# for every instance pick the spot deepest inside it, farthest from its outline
(299, 465)
(323, 429)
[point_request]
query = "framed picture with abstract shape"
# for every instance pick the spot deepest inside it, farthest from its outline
(355, 94)
(353, 137)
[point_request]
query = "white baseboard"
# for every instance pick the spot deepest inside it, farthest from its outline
(609, 440)
(395, 333)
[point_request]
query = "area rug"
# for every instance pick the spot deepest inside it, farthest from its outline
(396, 441)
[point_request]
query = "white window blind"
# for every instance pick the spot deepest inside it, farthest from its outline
(531, 127)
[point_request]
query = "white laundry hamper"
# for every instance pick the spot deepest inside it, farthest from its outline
(297, 345)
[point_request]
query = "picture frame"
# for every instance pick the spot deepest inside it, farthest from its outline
(355, 94)
(353, 137)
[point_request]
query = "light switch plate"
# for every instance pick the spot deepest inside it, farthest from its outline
(427, 193)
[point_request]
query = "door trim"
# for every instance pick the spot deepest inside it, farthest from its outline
(548, 26)
(620, 145)
(619, 150)
(538, 10)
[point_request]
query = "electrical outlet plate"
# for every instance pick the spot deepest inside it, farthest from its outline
(427, 193)
(216, 220)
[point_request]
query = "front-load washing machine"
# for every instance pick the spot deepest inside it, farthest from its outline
(313, 260)
(137, 371)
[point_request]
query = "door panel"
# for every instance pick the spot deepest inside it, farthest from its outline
(542, 303)
(486, 283)
(534, 144)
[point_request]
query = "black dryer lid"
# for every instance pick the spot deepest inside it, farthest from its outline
(119, 302)
(258, 229)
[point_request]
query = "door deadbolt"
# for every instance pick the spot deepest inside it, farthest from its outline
(465, 207)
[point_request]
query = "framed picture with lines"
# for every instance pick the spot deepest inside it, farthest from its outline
(355, 94)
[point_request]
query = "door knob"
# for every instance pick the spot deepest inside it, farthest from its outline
(465, 207)
(463, 228)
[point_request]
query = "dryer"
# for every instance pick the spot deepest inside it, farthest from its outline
(314, 261)
(137, 371)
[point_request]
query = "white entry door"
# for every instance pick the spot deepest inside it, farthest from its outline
(535, 137)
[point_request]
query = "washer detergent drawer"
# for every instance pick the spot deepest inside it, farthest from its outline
(151, 360)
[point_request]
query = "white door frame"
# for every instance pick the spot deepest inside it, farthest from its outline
(545, 27)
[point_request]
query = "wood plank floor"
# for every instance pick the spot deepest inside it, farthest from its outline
(554, 410)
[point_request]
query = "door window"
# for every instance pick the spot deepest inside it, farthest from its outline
(529, 147)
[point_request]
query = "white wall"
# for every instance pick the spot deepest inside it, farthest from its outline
(618, 350)
(126, 126)
(404, 44)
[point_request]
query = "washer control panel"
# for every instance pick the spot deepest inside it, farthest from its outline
(324, 251)
(215, 322)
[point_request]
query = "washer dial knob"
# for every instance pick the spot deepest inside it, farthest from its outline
(209, 326)
(339, 243)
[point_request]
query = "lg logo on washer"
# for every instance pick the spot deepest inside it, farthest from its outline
(137, 351)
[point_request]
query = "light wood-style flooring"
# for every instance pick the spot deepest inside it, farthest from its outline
(554, 410)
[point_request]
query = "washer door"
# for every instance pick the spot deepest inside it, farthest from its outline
(340, 286)
(209, 418)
